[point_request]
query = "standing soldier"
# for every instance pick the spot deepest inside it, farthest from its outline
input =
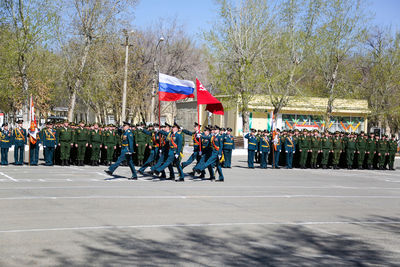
(95, 142)
(5, 143)
(141, 140)
(315, 149)
(304, 145)
(276, 148)
(383, 151)
(228, 146)
(264, 149)
(392, 152)
(81, 142)
(370, 150)
(34, 141)
(350, 150)
(19, 140)
(337, 149)
(65, 142)
(296, 156)
(110, 144)
(327, 147)
(361, 147)
(258, 154)
(251, 148)
(49, 141)
(290, 149)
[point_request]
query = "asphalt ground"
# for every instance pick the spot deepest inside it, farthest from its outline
(78, 216)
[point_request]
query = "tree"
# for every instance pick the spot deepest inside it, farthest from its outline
(283, 63)
(31, 24)
(341, 31)
(91, 20)
(237, 41)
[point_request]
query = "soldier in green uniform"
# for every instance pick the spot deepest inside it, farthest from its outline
(95, 142)
(361, 147)
(81, 142)
(383, 151)
(110, 144)
(141, 142)
(65, 142)
(315, 149)
(392, 152)
(370, 150)
(327, 147)
(350, 150)
(337, 149)
(296, 156)
(304, 148)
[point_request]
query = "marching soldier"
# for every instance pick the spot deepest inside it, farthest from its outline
(154, 147)
(206, 151)
(361, 147)
(5, 143)
(65, 142)
(174, 140)
(251, 148)
(19, 140)
(215, 158)
(228, 146)
(127, 150)
(49, 141)
(196, 137)
(290, 149)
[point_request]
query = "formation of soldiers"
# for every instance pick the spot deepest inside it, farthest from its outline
(314, 149)
(161, 147)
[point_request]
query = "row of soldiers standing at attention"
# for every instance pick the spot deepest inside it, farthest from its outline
(316, 149)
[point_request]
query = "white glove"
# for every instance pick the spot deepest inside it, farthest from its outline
(176, 156)
(198, 135)
(200, 153)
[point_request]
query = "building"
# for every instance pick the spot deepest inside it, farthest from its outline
(349, 115)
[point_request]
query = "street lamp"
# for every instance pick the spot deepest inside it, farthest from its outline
(123, 112)
(154, 92)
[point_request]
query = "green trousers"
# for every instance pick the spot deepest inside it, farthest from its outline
(361, 157)
(110, 152)
(336, 157)
(350, 157)
(392, 156)
(303, 157)
(325, 156)
(314, 156)
(95, 151)
(65, 150)
(81, 150)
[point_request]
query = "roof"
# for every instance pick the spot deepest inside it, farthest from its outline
(311, 104)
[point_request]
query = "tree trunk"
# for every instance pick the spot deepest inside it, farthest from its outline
(77, 85)
(245, 120)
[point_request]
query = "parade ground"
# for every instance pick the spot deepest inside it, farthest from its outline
(79, 216)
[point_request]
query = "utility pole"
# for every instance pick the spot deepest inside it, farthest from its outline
(154, 92)
(123, 112)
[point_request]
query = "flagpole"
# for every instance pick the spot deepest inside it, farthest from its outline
(273, 140)
(28, 135)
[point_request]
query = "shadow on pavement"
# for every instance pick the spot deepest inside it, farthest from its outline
(256, 246)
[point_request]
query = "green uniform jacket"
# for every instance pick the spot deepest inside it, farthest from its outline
(361, 144)
(110, 138)
(95, 137)
(65, 135)
(371, 145)
(81, 136)
(326, 143)
(337, 144)
(316, 143)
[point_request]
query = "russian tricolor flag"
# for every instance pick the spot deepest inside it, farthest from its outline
(173, 89)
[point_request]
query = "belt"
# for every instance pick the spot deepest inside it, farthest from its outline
(125, 144)
(252, 144)
(19, 139)
(50, 139)
(264, 146)
(5, 141)
(289, 146)
(228, 143)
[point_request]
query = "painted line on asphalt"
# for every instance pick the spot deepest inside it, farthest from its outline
(195, 197)
(118, 227)
(9, 177)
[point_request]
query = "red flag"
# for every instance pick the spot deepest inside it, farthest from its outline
(205, 98)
